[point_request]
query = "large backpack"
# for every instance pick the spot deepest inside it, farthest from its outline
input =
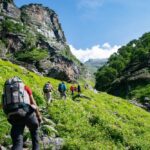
(15, 97)
(47, 88)
(61, 87)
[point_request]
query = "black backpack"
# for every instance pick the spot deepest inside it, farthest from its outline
(47, 88)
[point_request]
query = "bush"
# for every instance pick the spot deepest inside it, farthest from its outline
(11, 26)
(123, 63)
(67, 54)
(32, 55)
(104, 77)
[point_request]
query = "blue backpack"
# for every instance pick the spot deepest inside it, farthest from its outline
(62, 87)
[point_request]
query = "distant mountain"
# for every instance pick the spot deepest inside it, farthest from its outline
(94, 64)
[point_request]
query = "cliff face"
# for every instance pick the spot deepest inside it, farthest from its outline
(32, 36)
(44, 20)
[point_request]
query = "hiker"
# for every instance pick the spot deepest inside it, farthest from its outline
(72, 89)
(79, 89)
(47, 89)
(62, 90)
(21, 110)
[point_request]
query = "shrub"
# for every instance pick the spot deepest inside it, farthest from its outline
(32, 55)
(11, 26)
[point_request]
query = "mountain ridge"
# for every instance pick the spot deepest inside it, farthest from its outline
(36, 29)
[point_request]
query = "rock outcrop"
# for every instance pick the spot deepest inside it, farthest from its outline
(135, 74)
(32, 36)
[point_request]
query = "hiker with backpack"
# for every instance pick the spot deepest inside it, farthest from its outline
(47, 89)
(62, 90)
(79, 89)
(21, 110)
(72, 89)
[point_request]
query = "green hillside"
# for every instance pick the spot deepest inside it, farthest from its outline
(127, 72)
(104, 122)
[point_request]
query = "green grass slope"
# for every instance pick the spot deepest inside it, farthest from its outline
(102, 123)
(105, 122)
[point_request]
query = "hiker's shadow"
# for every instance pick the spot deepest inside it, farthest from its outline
(78, 96)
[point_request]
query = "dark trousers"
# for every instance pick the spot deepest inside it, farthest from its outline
(17, 132)
(72, 92)
(63, 94)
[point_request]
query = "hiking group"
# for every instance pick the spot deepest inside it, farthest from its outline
(21, 109)
(74, 89)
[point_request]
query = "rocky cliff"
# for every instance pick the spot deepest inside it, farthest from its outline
(32, 36)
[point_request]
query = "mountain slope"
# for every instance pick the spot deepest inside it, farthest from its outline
(104, 122)
(33, 37)
(127, 72)
(94, 64)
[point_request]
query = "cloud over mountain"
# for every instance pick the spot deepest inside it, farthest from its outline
(94, 52)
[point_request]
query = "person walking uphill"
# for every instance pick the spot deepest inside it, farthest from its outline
(62, 90)
(47, 89)
(21, 110)
(79, 89)
(72, 89)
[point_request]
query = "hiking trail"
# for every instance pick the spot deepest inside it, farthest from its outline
(49, 138)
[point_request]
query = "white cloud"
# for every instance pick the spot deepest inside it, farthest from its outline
(94, 52)
(90, 4)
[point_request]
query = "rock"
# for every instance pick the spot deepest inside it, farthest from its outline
(11, 10)
(2, 148)
(138, 104)
(58, 142)
(45, 140)
(44, 20)
(146, 99)
(27, 144)
(53, 143)
(38, 27)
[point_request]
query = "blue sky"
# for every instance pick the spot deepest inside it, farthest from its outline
(90, 23)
